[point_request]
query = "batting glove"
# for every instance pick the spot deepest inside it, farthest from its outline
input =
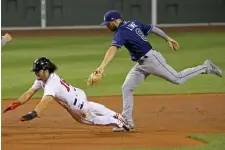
(29, 116)
(12, 106)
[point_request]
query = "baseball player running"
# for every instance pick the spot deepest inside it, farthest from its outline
(132, 35)
(73, 99)
(5, 38)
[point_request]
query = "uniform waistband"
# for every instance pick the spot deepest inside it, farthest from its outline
(143, 58)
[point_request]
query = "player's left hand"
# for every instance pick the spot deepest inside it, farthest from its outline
(95, 76)
(173, 44)
(7, 37)
(29, 116)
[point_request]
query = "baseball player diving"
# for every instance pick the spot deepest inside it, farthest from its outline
(73, 99)
(132, 35)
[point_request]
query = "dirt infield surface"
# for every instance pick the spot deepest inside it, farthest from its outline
(161, 121)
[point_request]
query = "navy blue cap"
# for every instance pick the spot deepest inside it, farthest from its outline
(41, 63)
(110, 16)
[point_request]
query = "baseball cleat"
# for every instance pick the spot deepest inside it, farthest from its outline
(117, 129)
(122, 122)
(213, 69)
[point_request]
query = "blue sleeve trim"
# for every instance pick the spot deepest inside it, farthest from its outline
(117, 45)
(149, 30)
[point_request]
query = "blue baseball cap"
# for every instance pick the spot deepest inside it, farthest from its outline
(110, 16)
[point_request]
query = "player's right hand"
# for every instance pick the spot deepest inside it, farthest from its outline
(95, 76)
(7, 37)
(173, 44)
(99, 70)
(12, 106)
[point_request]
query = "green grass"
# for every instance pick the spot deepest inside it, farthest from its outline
(214, 142)
(77, 57)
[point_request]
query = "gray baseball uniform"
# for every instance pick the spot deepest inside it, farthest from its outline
(3, 42)
(132, 34)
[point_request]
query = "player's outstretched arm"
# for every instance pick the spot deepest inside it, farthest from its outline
(96, 76)
(39, 108)
(172, 43)
(22, 100)
(108, 56)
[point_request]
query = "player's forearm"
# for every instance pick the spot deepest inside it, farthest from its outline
(25, 97)
(40, 107)
(108, 57)
(160, 33)
(36, 112)
(43, 104)
(3, 42)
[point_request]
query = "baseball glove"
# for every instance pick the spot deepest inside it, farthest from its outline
(95, 77)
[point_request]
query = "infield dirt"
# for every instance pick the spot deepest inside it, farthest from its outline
(161, 121)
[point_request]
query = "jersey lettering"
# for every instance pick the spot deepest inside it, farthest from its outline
(65, 84)
(141, 34)
(131, 26)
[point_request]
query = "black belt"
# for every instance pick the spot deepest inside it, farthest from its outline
(142, 59)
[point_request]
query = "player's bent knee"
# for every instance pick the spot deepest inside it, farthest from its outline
(92, 104)
(177, 81)
(127, 88)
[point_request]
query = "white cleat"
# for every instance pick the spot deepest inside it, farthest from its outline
(213, 69)
(126, 128)
(122, 122)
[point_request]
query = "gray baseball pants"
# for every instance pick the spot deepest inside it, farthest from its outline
(156, 65)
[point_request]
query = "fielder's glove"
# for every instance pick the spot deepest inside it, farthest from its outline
(95, 77)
